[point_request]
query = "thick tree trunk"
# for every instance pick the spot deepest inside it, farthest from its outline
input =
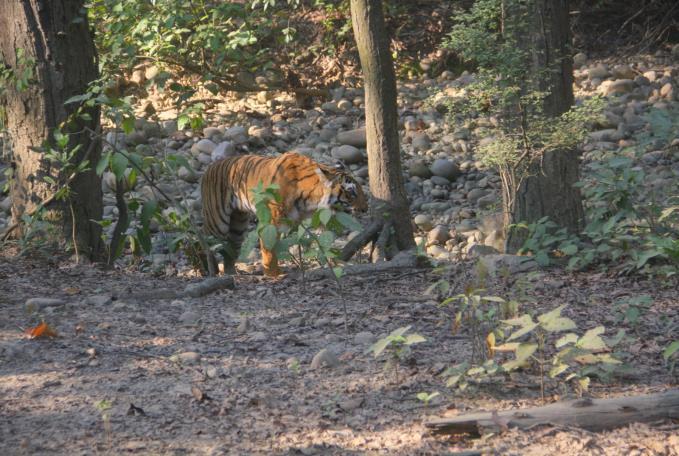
(53, 34)
(549, 190)
(384, 158)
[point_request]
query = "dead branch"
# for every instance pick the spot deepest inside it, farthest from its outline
(357, 243)
(589, 414)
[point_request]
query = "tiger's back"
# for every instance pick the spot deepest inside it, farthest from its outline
(303, 184)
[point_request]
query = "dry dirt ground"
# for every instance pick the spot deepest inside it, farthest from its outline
(112, 383)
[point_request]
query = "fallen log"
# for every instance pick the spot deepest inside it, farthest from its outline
(402, 260)
(589, 414)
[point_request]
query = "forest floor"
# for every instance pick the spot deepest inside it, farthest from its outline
(137, 370)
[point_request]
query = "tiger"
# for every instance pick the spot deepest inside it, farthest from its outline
(303, 184)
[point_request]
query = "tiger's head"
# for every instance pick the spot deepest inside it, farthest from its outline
(345, 193)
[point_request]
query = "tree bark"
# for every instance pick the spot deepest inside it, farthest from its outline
(54, 34)
(590, 414)
(384, 157)
(549, 188)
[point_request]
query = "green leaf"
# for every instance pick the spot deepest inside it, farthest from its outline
(569, 250)
(524, 351)
(103, 163)
(591, 340)
(558, 370)
(399, 331)
(494, 299)
(144, 239)
(182, 121)
(269, 236)
(128, 125)
(542, 258)
(566, 339)
(325, 239)
(78, 98)
(324, 216)
(523, 320)
(348, 221)
(553, 321)
(147, 211)
(414, 339)
(118, 165)
(670, 350)
(378, 347)
(338, 271)
(452, 381)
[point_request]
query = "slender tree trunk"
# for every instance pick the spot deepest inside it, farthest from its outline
(549, 190)
(57, 44)
(384, 158)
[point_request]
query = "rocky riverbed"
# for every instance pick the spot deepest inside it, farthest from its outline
(455, 200)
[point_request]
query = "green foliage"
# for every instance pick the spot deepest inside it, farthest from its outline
(397, 345)
(670, 355)
(589, 350)
(479, 313)
(624, 231)
(308, 241)
(427, 397)
(211, 41)
(631, 309)
(495, 329)
(503, 90)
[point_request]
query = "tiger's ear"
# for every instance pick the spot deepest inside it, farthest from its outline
(330, 173)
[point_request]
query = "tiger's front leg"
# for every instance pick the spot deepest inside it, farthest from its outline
(269, 258)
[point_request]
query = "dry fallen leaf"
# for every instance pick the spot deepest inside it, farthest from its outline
(199, 395)
(42, 330)
(72, 290)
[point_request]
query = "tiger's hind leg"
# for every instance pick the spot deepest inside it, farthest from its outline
(238, 226)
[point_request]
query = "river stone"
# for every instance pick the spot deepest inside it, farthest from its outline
(617, 87)
(667, 91)
(445, 168)
(344, 105)
(348, 154)
(421, 142)
(209, 132)
(423, 222)
(39, 304)
(324, 358)
(327, 134)
(223, 150)
(6, 205)
(495, 239)
(579, 60)
(623, 72)
(237, 134)
(438, 251)
(438, 235)
(599, 71)
(136, 137)
(354, 138)
(476, 193)
(187, 175)
(420, 169)
(438, 180)
(488, 201)
(205, 146)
